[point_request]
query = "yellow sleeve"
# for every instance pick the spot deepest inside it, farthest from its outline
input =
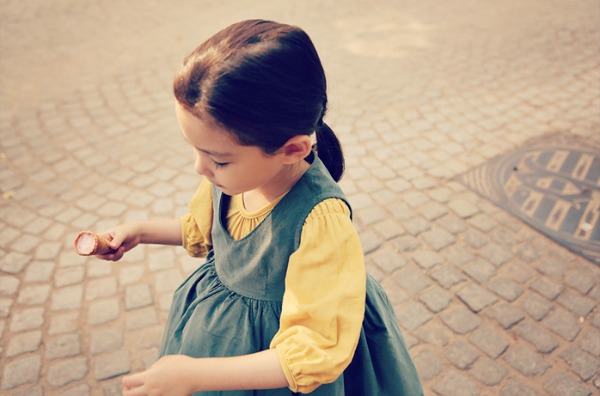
(196, 225)
(324, 300)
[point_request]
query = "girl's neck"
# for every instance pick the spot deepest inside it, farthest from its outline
(281, 184)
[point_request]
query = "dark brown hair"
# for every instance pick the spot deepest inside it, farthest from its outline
(262, 81)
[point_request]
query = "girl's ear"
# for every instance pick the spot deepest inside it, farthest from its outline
(296, 149)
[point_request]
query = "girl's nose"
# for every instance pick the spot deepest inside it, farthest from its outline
(202, 165)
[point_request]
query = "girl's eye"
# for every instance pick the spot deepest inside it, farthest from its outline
(219, 164)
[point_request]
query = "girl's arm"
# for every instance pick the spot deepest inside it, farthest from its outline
(126, 236)
(180, 375)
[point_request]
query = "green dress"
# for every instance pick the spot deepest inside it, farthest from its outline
(231, 304)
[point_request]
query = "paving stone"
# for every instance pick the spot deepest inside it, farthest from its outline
(506, 288)
(131, 274)
(433, 211)
(483, 222)
(69, 297)
(9, 285)
(487, 371)
(562, 384)
(576, 303)
(27, 319)
(389, 229)
(416, 226)
(167, 281)
(461, 354)
(47, 251)
(436, 299)
(590, 341)
(460, 320)
(14, 262)
(489, 341)
(33, 391)
(496, 254)
(541, 339)
(25, 243)
(519, 271)
(25, 370)
(388, 260)
(112, 365)
(581, 362)
(23, 343)
(458, 255)
(411, 279)
(141, 318)
(100, 269)
(582, 280)
(369, 216)
(439, 238)
(413, 315)
(434, 333)
(62, 346)
(415, 198)
(454, 384)
(114, 389)
(99, 288)
(563, 323)
(514, 387)
(138, 296)
(106, 340)
(475, 238)
(32, 295)
(81, 390)
(39, 271)
(463, 208)
(476, 297)
(552, 267)
(481, 270)
(428, 365)
(103, 311)
(528, 253)
(535, 305)
(68, 371)
(448, 276)
(406, 243)
(370, 241)
(526, 361)
(452, 223)
(547, 288)
(63, 323)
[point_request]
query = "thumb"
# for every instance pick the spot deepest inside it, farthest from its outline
(116, 239)
(132, 381)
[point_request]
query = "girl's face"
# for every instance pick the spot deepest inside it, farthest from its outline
(230, 166)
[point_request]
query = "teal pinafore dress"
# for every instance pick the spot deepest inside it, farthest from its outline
(231, 304)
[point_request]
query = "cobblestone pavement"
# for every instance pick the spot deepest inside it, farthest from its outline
(421, 92)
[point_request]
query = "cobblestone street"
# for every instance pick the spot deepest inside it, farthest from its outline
(420, 93)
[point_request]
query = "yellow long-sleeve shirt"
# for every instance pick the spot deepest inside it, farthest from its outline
(323, 303)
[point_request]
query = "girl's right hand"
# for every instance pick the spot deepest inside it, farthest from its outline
(123, 238)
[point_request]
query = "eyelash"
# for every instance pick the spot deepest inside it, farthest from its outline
(220, 164)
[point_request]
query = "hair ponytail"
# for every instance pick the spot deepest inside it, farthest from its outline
(330, 152)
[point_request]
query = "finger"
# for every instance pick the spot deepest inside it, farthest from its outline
(134, 380)
(115, 256)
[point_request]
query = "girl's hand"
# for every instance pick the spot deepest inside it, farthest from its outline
(122, 239)
(170, 375)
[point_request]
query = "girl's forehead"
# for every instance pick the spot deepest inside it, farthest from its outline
(205, 134)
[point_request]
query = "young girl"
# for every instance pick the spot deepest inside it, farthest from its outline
(282, 304)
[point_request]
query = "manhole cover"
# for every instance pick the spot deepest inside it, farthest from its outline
(553, 185)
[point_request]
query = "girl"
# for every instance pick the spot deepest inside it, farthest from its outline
(282, 304)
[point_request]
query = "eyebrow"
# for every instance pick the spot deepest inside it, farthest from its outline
(209, 152)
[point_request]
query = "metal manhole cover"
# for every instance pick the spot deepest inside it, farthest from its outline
(553, 185)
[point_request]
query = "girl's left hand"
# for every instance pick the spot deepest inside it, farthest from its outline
(168, 376)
